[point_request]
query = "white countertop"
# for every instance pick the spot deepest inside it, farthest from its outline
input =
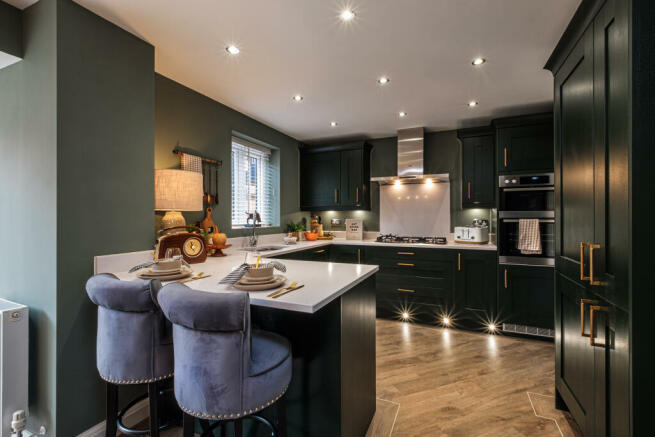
(323, 281)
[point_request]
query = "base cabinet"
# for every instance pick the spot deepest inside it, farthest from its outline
(475, 291)
(525, 295)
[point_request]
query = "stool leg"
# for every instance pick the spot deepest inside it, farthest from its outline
(282, 417)
(188, 424)
(112, 410)
(238, 428)
(153, 399)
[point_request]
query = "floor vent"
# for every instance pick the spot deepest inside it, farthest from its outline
(528, 330)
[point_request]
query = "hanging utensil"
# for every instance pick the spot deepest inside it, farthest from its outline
(216, 196)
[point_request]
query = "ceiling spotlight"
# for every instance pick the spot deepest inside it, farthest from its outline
(347, 14)
(478, 61)
(473, 104)
(402, 114)
(233, 50)
(383, 80)
(297, 98)
(333, 123)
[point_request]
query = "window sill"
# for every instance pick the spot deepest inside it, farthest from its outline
(250, 227)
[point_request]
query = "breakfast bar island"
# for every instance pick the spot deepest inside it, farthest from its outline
(330, 323)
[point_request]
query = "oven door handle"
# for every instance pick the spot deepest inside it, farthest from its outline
(546, 188)
(517, 220)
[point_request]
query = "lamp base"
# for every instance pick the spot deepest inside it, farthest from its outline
(172, 219)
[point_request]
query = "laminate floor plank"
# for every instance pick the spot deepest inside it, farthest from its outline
(456, 383)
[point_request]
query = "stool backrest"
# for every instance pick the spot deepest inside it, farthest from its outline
(134, 341)
(211, 333)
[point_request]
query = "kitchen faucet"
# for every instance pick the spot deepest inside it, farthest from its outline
(256, 218)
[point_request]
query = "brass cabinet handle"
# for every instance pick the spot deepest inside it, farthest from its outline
(357, 194)
(404, 253)
(405, 264)
(319, 251)
(406, 290)
(336, 195)
(584, 277)
(469, 191)
(459, 261)
(592, 329)
(505, 152)
(359, 256)
(582, 304)
(505, 278)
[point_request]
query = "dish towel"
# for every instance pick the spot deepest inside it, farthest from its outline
(191, 163)
(529, 237)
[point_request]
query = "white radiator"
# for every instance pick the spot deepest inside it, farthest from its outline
(13, 362)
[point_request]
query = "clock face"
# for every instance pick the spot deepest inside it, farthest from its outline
(192, 247)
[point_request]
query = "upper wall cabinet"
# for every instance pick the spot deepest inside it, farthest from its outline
(524, 143)
(478, 175)
(335, 177)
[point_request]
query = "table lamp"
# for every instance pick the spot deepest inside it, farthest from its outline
(177, 191)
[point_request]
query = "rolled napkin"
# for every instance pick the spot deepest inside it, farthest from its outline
(235, 275)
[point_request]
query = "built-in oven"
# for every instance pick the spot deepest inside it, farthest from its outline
(531, 198)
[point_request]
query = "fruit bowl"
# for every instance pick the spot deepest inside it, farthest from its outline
(311, 236)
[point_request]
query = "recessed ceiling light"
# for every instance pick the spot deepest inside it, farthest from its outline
(402, 114)
(473, 104)
(478, 61)
(297, 98)
(347, 14)
(383, 80)
(233, 50)
(333, 123)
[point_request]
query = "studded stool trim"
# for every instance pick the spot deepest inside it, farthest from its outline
(137, 381)
(233, 415)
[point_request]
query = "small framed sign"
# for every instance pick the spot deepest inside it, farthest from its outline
(354, 229)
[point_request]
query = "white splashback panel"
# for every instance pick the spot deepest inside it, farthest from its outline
(415, 209)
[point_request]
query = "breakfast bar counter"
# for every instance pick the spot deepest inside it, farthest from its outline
(330, 323)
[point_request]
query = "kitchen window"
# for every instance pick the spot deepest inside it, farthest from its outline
(255, 183)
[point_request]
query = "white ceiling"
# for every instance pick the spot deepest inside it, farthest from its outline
(301, 46)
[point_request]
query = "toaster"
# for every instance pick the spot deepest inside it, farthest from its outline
(472, 234)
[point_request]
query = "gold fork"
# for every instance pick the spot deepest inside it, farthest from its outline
(275, 293)
(198, 276)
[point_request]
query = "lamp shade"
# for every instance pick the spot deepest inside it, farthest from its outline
(178, 190)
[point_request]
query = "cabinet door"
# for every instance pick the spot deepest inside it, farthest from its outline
(475, 292)
(320, 180)
(611, 144)
(350, 192)
(526, 295)
(478, 178)
(574, 158)
(525, 148)
(611, 372)
(574, 356)
(347, 254)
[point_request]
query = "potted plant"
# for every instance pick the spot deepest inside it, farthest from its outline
(294, 229)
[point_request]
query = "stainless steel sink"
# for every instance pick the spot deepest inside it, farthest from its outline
(266, 248)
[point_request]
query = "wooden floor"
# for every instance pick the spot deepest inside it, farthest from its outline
(454, 383)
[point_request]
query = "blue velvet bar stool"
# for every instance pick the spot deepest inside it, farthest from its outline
(134, 345)
(224, 372)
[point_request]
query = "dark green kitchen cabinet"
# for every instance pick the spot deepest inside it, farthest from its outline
(347, 254)
(335, 177)
(475, 289)
(603, 374)
(526, 295)
(478, 173)
(524, 144)
(321, 253)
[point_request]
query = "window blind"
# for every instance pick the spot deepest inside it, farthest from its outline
(253, 183)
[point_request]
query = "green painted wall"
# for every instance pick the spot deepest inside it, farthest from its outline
(105, 137)
(442, 155)
(28, 198)
(204, 126)
(11, 30)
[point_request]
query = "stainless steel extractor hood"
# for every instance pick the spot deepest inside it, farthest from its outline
(410, 161)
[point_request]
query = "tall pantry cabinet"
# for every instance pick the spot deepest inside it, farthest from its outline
(603, 105)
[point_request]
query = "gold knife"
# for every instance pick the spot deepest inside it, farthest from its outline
(288, 291)
(195, 278)
(292, 285)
